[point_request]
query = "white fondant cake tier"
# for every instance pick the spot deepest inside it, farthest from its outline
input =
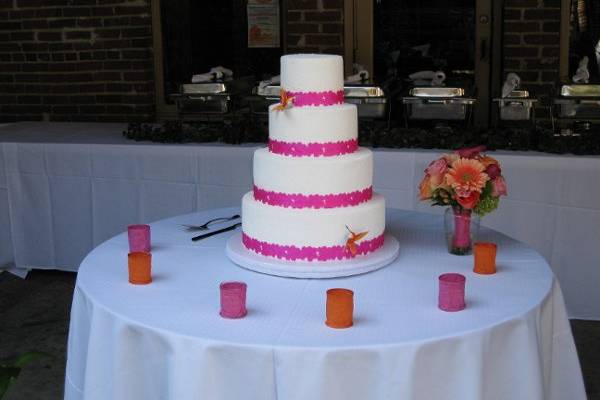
(309, 227)
(309, 175)
(312, 73)
(338, 123)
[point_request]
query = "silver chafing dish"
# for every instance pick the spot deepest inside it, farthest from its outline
(578, 101)
(517, 106)
(205, 99)
(262, 97)
(370, 100)
(437, 103)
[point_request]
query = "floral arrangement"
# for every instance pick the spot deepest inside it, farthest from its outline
(466, 179)
(469, 182)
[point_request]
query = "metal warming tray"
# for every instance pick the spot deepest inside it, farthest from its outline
(209, 98)
(579, 101)
(517, 106)
(437, 103)
(371, 101)
(262, 97)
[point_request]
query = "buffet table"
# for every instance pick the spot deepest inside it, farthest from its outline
(67, 187)
(167, 340)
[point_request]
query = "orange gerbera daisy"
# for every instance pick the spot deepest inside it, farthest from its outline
(467, 175)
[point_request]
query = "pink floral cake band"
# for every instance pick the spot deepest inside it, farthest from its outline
(309, 253)
(329, 149)
(327, 98)
(297, 200)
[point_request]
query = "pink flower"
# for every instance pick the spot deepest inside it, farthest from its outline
(436, 170)
(499, 187)
(493, 171)
(470, 152)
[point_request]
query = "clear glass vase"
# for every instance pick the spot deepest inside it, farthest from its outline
(461, 227)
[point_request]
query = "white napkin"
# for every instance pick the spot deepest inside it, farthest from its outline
(224, 71)
(598, 55)
(512, 82)
(267, 82)
(430, 78)
(582, 75)
(360, 76)
(438, 79)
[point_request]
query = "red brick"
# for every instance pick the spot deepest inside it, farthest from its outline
(521, 3)
(542, 14)
(302, 4)
(303, 28)
(541, 39)
(551, 51)
(512, 39)
(518, 27)
(332, 28)
(333, 4)
(294, 16)
(521, 51)
(323, 40)
(552, 26)
(328, 16)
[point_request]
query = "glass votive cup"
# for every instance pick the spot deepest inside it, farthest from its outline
(139, 238)
(140, 268)
(485, 258)
(233, 299)
(339, 308)
(451, 292)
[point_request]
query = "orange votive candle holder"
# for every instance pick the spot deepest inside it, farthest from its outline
(140, 267)
(485, 258)
(339, 308)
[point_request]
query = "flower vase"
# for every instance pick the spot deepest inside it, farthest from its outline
(461, 228)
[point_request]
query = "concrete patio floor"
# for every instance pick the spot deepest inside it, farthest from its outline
(34, 315)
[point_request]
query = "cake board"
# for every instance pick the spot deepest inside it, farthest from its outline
(245, 258)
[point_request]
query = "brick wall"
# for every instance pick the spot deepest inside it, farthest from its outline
(76, 60)
(315, 26)
(531, 42)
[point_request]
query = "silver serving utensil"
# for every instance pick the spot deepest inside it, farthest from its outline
(204, 226)
(209, 234)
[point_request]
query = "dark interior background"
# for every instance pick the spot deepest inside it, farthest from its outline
(199, 35)
(448, 26)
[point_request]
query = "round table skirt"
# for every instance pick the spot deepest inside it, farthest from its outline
(166, 340)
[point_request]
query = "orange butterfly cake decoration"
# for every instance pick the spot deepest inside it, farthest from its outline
(285, 100)
(352, 241)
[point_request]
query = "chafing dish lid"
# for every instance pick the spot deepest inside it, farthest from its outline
(437, 92)
(581, 90)
(203, 88)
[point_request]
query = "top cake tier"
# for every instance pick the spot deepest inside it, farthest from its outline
(304, 73)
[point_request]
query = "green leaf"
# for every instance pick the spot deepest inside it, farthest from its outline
(28, 357)
(8, 375)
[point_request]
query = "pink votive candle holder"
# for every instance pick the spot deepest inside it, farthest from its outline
(139, 238)
(233, 299)
(452, 292)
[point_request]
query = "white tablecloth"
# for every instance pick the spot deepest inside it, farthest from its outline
(67, 187)
(167, 341)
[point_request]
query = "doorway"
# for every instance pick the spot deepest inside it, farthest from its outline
(460, 37)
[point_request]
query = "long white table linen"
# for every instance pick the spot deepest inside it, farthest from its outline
(167, 340)
(67, 187)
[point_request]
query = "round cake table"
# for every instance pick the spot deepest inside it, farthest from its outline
(166, 340)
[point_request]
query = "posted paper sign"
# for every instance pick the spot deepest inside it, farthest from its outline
(263, 23)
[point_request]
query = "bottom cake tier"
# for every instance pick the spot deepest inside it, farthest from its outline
(312, 234)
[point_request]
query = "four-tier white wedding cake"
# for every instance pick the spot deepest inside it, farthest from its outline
(312, 198)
